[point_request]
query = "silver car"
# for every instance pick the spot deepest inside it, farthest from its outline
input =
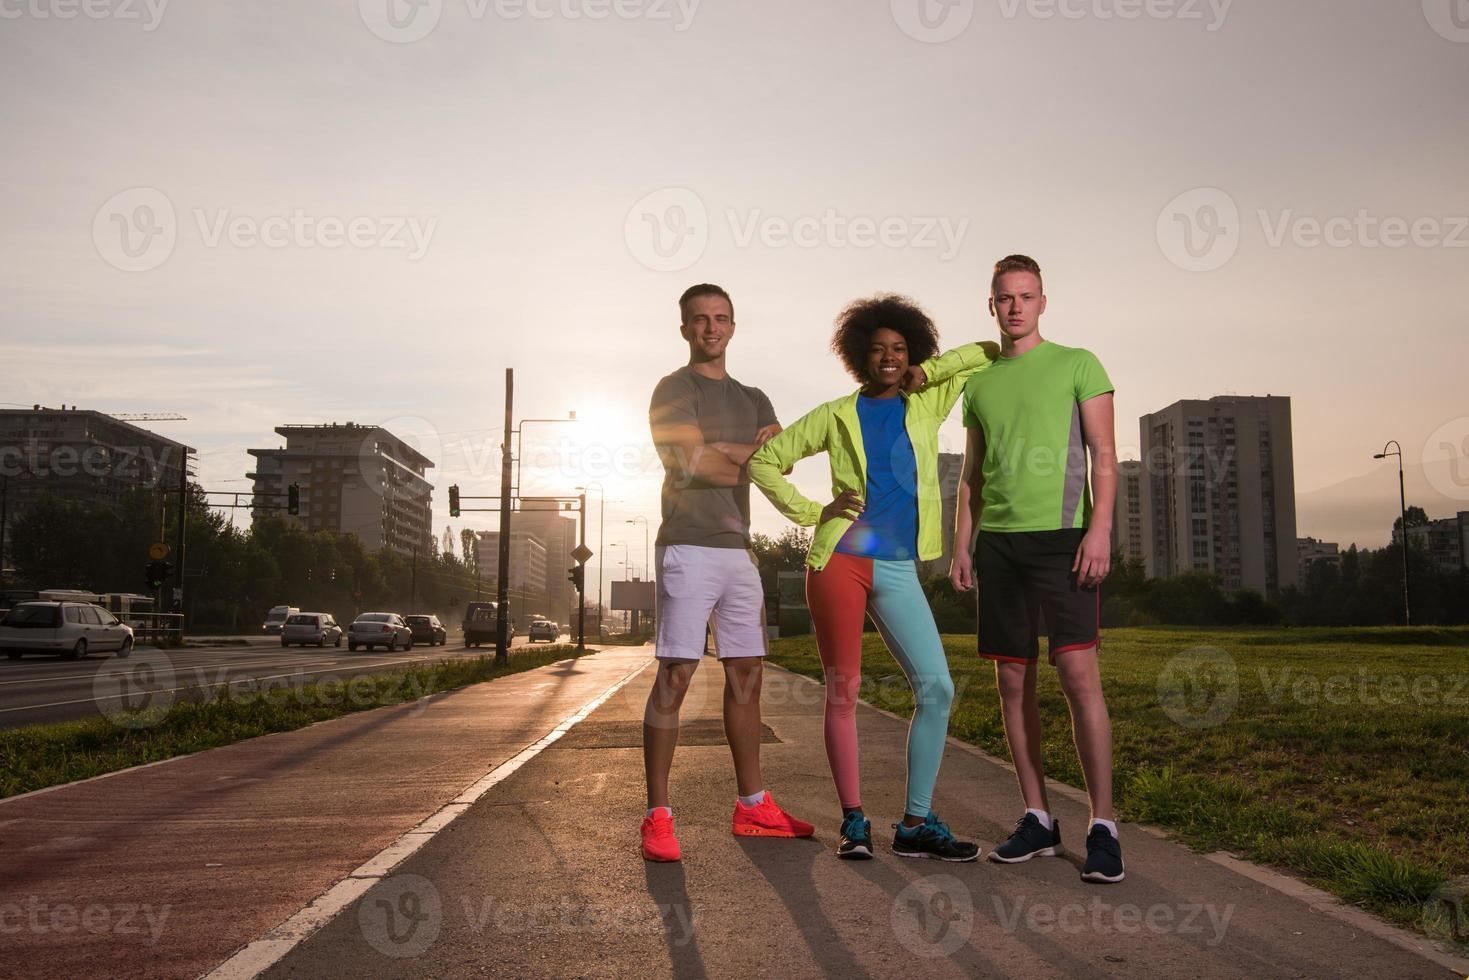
(315, 628)
(379, 629)
(72, 629)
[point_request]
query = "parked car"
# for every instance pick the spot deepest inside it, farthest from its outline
(427, 629)
(544, 629)
(275, 620)
(317, 628)
(379, 629)
(71, 629)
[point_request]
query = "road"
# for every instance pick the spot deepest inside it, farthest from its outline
(38, 690)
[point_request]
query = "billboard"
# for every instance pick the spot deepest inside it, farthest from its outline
(632, 596)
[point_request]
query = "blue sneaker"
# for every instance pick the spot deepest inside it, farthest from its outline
(1029, 840)
(856, 842)
(1103, 857)
(931, 839)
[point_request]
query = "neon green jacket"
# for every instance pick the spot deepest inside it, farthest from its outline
(835, 429)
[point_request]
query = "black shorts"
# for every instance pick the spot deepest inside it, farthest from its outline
(1023, 575)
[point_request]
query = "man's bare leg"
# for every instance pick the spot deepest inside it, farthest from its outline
(742, 682)
(1022, 717)
(1091, 725)
(660, 725)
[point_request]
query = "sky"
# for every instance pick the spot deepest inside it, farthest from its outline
(366, 210)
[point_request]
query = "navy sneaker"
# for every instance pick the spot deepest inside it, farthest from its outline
(931, 839)
(856, 842)
(1103, 857)
(1029, 840)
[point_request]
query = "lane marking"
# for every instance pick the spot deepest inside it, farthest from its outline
(260, 955)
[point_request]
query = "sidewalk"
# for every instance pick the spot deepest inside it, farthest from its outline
(165, 871)
(542, 878)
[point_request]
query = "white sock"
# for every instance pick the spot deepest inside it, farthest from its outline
(1109, 824)
(654, 809)
(1042, 816)
(753, 800)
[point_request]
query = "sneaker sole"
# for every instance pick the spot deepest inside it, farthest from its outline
(856, 854)
(659, 860)
(935, 857)
(765, 832)
(1053, 851)
(1101, 879)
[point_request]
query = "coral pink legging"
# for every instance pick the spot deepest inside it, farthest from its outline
(840, 597)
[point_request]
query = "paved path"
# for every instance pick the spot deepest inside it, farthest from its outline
(532, 869)
(165, 871)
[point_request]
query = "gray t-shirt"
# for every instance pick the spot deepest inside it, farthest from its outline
(725, 411)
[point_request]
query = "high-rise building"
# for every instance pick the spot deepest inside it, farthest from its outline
(1310, 552)
(559, 534)
(1219, 494)
(353, 479)
(528, 572)
(82, 455)
(951, 471)
(1442, 540)
(1127, 512)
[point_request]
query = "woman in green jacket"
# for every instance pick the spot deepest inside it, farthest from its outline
(882, 445)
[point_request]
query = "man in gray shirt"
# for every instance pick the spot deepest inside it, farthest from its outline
(706, 425)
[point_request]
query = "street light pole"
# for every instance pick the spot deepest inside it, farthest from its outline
(4, 506)
(502, 587)
(519, 454)
(601, 543)
(581, 593)
(1403, 510)
(647, 568)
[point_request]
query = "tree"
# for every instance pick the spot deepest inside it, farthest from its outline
(1417, 517)
(786, 553)
(471, 556)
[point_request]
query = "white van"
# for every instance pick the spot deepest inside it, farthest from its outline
(276, 619)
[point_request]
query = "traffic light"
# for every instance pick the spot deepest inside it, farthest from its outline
(293, 499)
(159, 572)
(578, 577)
(454, 501)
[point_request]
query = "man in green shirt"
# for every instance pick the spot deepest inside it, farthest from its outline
(1043, 547)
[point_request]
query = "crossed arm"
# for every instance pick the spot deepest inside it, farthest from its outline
(720, 464)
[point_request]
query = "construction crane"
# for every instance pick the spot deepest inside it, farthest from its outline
(147, 417)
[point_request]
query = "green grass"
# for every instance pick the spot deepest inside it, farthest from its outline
(48, 755)
(1344, 759)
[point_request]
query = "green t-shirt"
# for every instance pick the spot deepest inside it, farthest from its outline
(1035, 461)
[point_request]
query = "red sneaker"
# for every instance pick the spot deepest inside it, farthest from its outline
(767, 819)
(659, 844)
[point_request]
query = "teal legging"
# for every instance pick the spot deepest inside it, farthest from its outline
(840, 595)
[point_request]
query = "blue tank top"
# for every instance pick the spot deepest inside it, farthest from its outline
(888, 528)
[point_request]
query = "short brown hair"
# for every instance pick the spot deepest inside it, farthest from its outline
(1016, 263)
(703, 289)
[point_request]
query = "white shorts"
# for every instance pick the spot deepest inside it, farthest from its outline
(714, 587)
